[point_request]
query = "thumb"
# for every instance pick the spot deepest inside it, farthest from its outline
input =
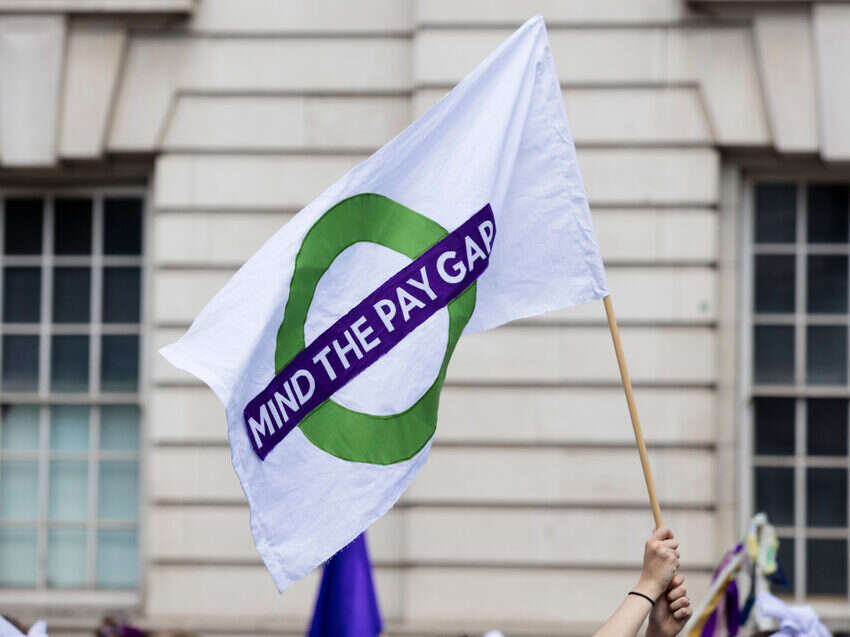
(663, 533)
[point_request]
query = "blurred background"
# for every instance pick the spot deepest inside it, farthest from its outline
(149, 147)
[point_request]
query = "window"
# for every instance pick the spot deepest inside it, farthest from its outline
(71, 285)
(799, 378)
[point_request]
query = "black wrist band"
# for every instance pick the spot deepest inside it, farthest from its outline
(646, 597)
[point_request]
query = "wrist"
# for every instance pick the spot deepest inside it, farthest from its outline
(649, 588)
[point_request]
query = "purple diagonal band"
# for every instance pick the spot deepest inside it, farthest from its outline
(369, 330)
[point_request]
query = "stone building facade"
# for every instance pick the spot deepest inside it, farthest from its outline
(148, 147)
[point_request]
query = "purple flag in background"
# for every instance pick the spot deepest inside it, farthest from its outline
(347, 605)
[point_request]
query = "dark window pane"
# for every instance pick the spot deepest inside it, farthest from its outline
(73, 226)
(773, 354)
(826, 425)
(826, 567)
(117, 558)
(20, 362)
(119, 367)
(776, 213)
(826, 355)
(69, 363)
(23, 225)
(826, 497)
(122, 226)
(121, 295)
(828, 213)
(774, 494)
(21, 295)
(827, 288)
(774, 418)
(774, 283)
(785, 557)
(71, 295)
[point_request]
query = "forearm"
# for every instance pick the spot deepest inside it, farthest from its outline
(627, 619)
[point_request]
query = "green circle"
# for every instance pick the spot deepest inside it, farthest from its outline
(342, 432)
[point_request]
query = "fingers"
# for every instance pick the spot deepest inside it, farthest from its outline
(662, 541)
(663, 546)
(671, 545)
(670, 555)
(676, 593)
(677, 580)
(680, 605)
(682, 602)
(663, 551)
(683, 613)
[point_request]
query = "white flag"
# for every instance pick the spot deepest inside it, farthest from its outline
(330, 345)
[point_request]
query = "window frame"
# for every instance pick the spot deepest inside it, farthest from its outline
(834, 610)
(90, 595)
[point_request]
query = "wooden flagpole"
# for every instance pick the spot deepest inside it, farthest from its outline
(630, 399)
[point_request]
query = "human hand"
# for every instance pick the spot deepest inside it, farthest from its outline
(660, 562)
(672, 610)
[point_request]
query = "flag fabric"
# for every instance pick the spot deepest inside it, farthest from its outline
(794, 621)
(8, 629)
(329, 347)
(347, 605)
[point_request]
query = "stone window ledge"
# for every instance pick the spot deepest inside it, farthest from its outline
(97, 6)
